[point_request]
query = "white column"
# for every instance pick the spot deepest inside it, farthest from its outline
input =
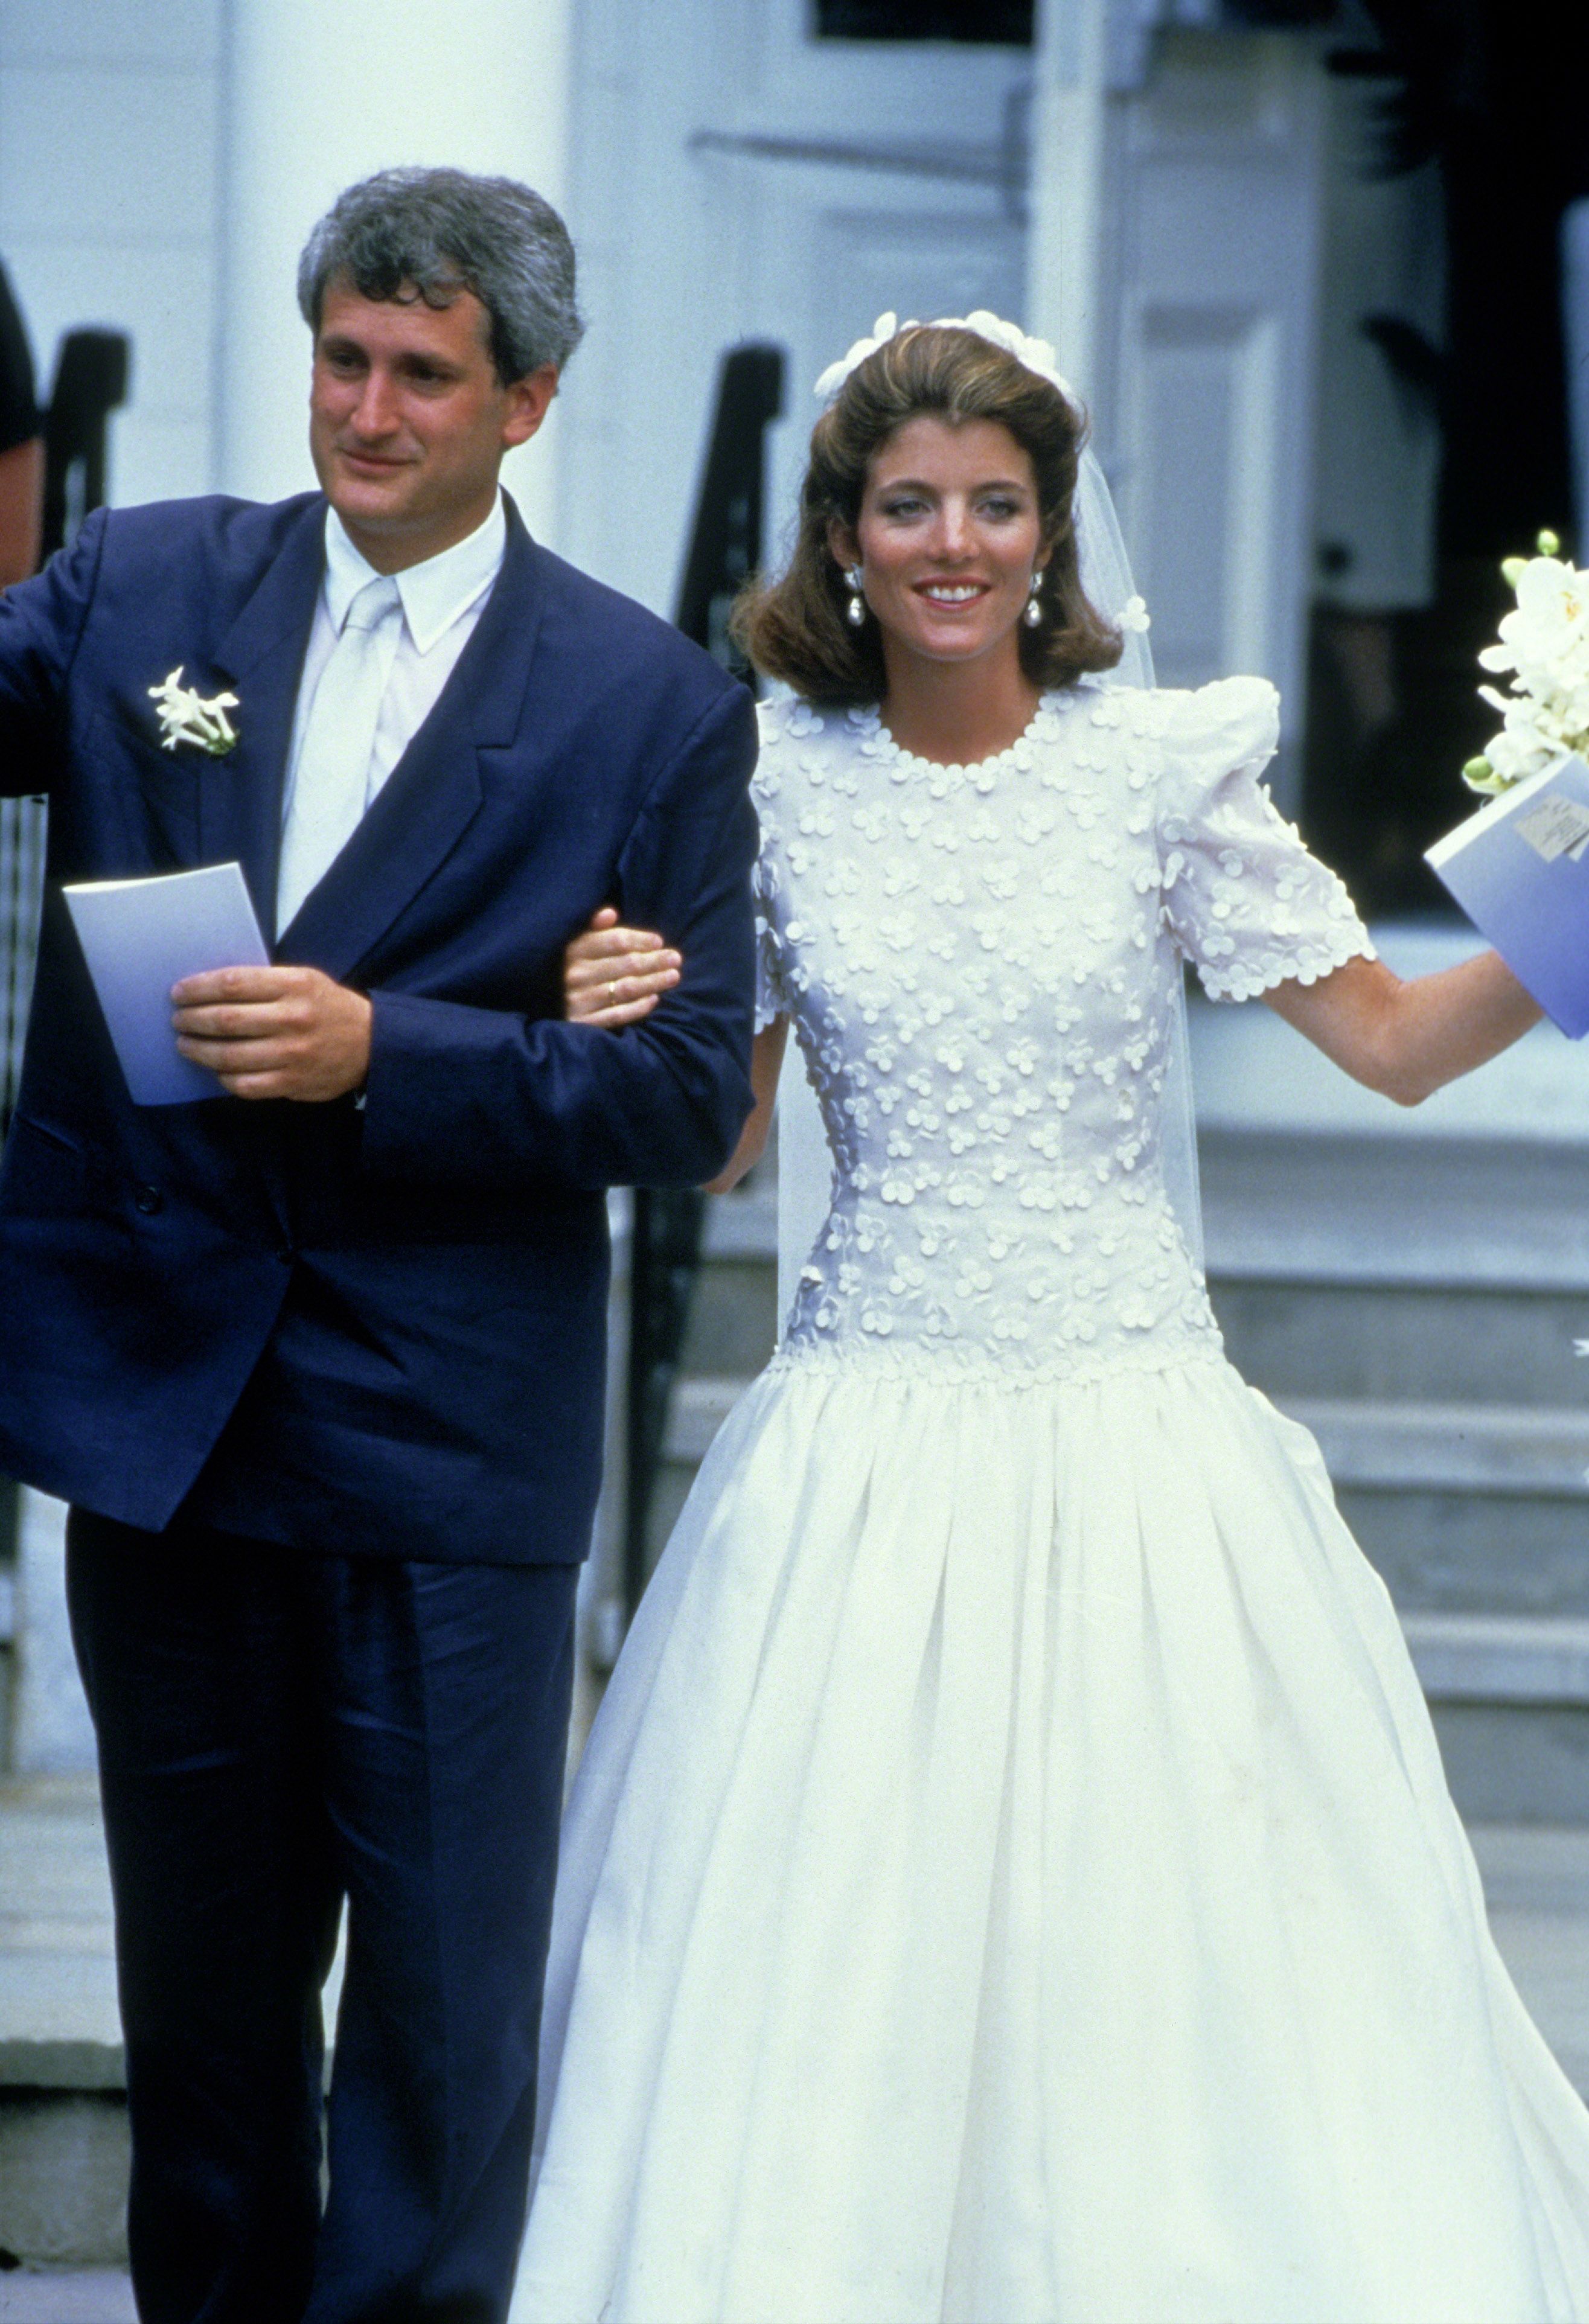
(52, 1733)
(1065, 239)
(320, 93)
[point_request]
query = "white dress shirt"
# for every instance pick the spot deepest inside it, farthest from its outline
(442, 600)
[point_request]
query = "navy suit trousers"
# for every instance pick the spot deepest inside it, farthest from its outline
(281, 1729)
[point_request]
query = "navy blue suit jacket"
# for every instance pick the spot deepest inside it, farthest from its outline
(383, 1329)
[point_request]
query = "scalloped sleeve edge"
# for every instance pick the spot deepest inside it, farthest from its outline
(1318, 957)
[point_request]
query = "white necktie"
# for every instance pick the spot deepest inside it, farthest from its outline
(332, 781)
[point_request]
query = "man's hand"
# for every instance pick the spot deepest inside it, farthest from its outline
(275, 1032)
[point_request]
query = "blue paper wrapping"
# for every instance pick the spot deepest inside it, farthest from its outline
(1519, 869)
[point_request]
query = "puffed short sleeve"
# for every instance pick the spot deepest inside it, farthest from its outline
(1244, 900)
(772, 998)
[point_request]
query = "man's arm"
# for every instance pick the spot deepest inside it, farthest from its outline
(22, 447)
(41, 624)
(22, 508)
(479, 1098)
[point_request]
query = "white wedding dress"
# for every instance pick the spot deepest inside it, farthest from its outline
(1012, 1879)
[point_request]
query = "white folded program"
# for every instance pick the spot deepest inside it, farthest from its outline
(142, 937)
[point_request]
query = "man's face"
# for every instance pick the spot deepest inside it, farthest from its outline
(408, 421)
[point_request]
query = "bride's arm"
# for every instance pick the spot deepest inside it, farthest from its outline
(1408, 1039)
(766, 1065)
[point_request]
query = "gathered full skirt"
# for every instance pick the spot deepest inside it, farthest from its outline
(1012, 1881)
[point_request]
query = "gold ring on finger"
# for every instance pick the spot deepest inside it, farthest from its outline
(612, 995)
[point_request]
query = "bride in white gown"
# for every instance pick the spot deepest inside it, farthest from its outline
(1011, 1878)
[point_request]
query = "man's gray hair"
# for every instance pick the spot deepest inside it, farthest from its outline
(443, 230)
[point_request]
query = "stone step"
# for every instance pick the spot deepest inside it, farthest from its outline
(699, 1408)
(743, 1225)
(1479, 1214)
(1466, 1553)
(78, 2296)
(1509, 1695)
(63, 2135)
(1536, 1889)
(58, 2028)
(1411, 1446)
(1519, 1763)
(1445, 1343)
(732, 1323)
(1515, 1659)
(63, 2132)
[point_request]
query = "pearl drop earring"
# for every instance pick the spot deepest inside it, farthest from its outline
(855, 611)
(1034, 612)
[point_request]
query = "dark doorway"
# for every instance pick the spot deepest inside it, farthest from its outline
(1486, 98)
(989, 23)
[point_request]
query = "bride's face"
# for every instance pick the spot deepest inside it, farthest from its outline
(947, 539)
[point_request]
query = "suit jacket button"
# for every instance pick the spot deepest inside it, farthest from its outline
(148, 1199)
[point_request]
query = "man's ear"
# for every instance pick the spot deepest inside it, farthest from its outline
(529, 402)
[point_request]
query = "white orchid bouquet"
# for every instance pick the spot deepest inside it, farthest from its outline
(1545, 645)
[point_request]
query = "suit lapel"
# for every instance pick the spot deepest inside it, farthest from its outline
(261, 656)
(434, 792)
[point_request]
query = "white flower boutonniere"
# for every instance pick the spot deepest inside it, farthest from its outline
(185, 717)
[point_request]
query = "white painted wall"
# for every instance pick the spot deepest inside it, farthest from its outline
(162, 161)
(110, 126)
(693, 235)
(320, 95)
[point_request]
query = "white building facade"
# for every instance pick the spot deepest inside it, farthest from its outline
(1164, 198)
(1147, 197)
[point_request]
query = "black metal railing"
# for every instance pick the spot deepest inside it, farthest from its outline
(91, 375)
(725, 546)
(90, 382)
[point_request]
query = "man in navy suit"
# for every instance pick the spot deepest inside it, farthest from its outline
(319, 1362)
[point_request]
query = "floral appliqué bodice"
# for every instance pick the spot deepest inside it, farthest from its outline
(982, 966)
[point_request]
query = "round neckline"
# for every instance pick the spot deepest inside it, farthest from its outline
(1011, 759)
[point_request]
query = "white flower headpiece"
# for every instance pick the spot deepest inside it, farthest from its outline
(1035, 354)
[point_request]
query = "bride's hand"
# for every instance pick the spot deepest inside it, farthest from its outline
(614, 977)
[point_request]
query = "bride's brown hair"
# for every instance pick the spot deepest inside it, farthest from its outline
(795, 628)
